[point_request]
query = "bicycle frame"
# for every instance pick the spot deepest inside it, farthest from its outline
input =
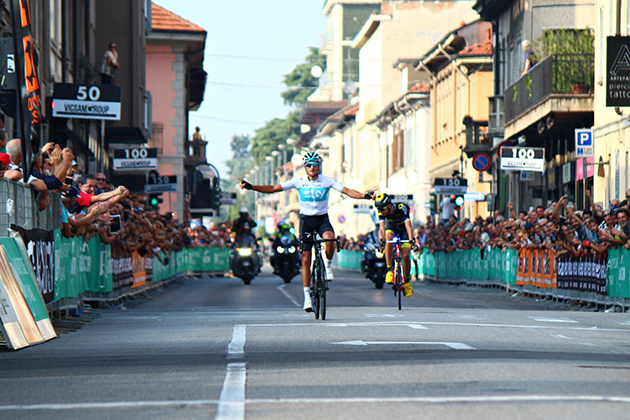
(399, 279)
(319, 285)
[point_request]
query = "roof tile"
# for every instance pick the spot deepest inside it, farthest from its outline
(165, 20)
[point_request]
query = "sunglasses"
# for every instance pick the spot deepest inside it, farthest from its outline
(311, 165)
(100, 179)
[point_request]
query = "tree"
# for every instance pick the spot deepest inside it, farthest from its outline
(275, 132)
(240, 165)
(300, 81)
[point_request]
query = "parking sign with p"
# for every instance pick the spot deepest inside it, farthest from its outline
(584, 143)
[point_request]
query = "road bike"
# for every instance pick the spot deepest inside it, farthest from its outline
(319, 285)
(399, 278)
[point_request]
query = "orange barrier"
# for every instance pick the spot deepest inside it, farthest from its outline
(536, 267)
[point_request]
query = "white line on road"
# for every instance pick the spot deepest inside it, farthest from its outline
(454, 346)
(553, 320)
(287, 295)
(426, 400)
(417, 326)
(561, 336)
(236, 348)
(453, 324)
(232, 399)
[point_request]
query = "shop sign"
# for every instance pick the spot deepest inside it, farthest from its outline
(618, 71)
(523, 159)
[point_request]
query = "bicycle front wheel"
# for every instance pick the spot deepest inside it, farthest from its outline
(321, 286)
(399, 284)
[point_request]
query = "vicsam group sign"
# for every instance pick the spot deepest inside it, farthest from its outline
(94, 102)
(523, 159)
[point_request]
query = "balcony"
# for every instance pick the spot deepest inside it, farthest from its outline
(559, 83)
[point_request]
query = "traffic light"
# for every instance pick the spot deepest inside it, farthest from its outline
(216, 197)
(155, 200)
(458, 200)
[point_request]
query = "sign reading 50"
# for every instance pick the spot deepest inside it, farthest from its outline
(91, 92)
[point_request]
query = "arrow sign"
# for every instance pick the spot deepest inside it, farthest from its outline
(454, 346)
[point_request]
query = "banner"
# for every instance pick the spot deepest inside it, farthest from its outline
(586, 273)
(536, 267)
(39, 246)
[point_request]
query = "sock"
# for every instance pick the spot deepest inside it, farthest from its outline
(389, 268)
(327, 262)
(307, 293)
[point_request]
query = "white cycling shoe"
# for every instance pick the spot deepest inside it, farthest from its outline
(329, 274)
(308, 305)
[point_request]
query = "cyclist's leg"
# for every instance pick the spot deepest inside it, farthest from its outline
(389, 256)
(306, 232)
(405, 251)
(326, 231)
(306, 269)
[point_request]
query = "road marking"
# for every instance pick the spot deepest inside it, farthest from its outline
(236, 348)
(384, 315)
(561, 336)
(454, 346)
(452, 324)
(417, 327)
(232, 399)
(287, 295)
(427, 400)
(553, 320)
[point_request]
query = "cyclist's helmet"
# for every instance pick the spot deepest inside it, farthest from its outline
(311, 157)
(382, 201)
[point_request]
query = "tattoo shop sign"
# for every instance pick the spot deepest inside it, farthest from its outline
(618, 71)
(93, 102)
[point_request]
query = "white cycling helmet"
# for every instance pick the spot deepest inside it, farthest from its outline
(243, 210)
(312, 157)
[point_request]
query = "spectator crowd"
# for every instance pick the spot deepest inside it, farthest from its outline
(559, 227)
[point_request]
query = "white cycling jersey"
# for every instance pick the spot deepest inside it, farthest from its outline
(313, 195)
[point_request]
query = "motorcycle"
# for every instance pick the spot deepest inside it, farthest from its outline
(285, 255)
(373, 264)
(245, 258)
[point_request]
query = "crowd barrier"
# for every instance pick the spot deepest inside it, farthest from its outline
(600, 279)
(71, 268)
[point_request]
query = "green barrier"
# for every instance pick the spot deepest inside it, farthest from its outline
(468, 264)
(617, 281)
(350, 260)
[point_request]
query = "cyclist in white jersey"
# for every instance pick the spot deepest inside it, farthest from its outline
(313, 192)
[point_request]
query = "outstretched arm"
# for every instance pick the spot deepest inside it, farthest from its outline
(356, 194)
(266, 189)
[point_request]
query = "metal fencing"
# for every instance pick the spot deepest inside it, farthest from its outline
(19, 206)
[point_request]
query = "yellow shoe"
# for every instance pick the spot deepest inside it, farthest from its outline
(408, 289)
(389, 278)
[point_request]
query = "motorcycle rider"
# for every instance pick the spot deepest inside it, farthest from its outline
(243, 225)
(394, 221)
(283, 229)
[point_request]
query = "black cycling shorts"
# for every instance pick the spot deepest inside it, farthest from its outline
(400, 231)
(309, 225)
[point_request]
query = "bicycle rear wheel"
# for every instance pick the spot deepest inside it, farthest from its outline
(314, 293)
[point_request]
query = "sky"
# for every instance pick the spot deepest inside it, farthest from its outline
(250, 46)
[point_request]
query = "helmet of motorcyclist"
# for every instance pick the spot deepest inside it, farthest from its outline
(382, 201)
(243, 212)
(283, 226)
(312, 158)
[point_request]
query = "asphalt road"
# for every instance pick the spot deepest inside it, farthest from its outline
(213, 348)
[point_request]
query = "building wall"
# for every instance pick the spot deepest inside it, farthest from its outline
(611, 130)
